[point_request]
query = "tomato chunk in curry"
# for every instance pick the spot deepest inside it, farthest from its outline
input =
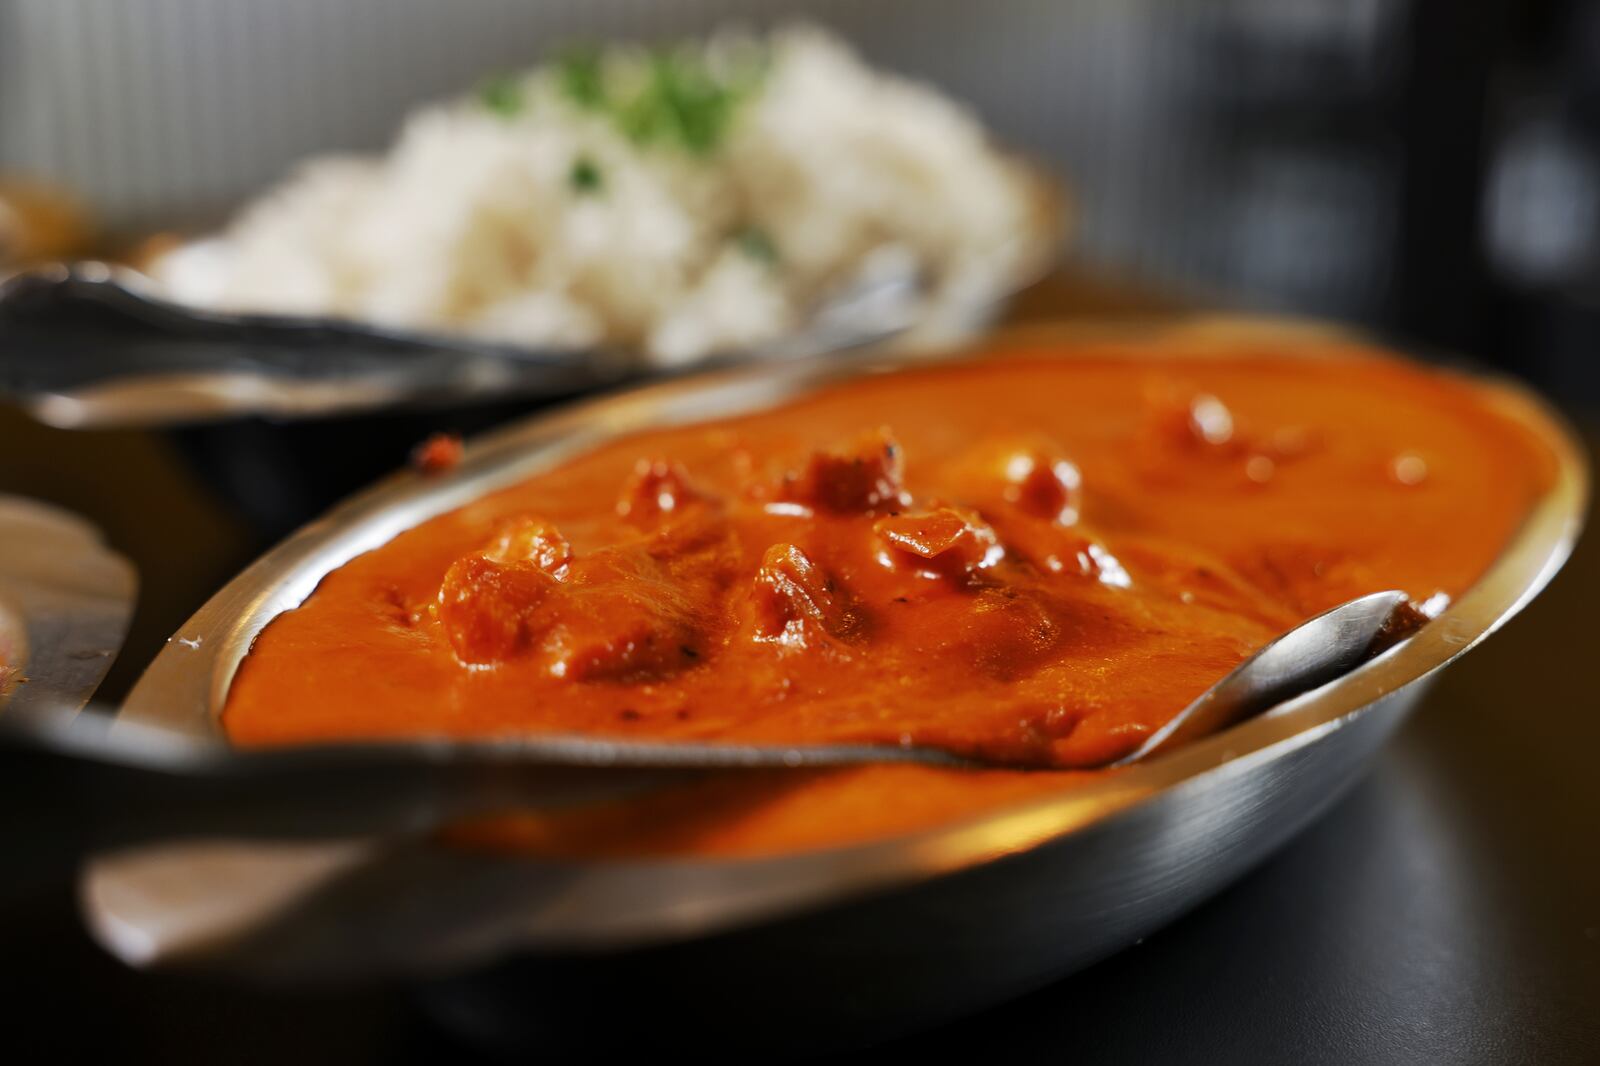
(1036, 558)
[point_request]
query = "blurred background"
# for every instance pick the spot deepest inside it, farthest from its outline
(1430, 168)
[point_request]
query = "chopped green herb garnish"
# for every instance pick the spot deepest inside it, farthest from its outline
(669, 95)
(581, 74)
(585, 176)
(758, 244)
(502, 94)
(685, 103)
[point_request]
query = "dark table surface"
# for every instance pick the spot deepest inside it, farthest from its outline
(1447, 910)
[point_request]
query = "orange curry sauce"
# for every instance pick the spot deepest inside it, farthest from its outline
(1033, 560)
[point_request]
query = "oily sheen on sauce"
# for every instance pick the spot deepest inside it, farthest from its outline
(1036, 557)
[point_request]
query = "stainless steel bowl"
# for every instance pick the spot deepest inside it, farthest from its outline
(827, 946)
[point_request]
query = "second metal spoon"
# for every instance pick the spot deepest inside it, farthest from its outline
(128, 784)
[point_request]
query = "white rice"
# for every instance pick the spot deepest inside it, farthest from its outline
(475, 220)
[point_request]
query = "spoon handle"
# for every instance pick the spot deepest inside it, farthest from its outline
(108, 788)
(91, 328)
(123, 784)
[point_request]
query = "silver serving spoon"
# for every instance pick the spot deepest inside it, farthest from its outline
(1308, 656)
(138, 783)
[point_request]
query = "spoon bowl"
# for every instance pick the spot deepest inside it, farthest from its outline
(1308, 656)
